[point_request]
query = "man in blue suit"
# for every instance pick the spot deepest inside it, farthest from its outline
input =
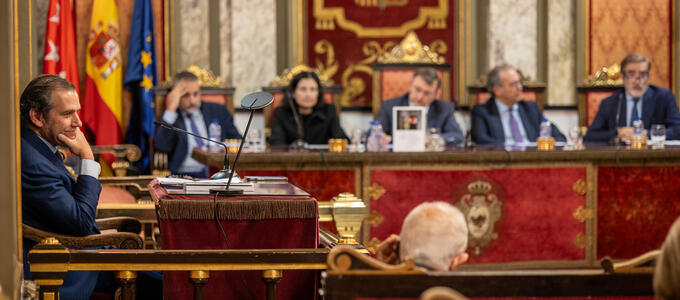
(423, 90)
(652, 104)
(506, 119)
(52, 198)
(184, 109)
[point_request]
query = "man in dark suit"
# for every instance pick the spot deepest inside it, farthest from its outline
(423, 90)
(52, 198)
(184, 109)
(638, 99)
(506, 119)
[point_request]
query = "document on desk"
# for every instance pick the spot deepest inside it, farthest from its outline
(203, 187)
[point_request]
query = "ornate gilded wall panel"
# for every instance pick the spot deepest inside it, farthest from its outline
(619, 27)
(358, 32)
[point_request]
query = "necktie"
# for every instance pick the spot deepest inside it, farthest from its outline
(634, 116)
(194, 129)
(514, 126)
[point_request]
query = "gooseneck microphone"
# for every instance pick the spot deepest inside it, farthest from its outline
(225, 172)
(299, 143)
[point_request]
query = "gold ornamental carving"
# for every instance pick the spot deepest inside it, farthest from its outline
(583, 214)
(580, 186)
(482, 209)
(205, 78)
(610, 75)
(411, 50)
(375, 218)
(326, 18)
(374, 191)
(372, 245)
(326, 71)
(581, 240)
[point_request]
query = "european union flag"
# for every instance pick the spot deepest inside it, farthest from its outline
(140, 77)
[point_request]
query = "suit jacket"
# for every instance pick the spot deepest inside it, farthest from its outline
(440, 115)
(175, 143)
(53, 200)
(487, 127)
(320, 126)
(658, 107)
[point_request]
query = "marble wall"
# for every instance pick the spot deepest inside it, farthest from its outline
(512, 33)
(253, 45)
(561, 52)
(194, 39)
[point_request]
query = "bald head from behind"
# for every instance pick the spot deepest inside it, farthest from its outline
(435, 235)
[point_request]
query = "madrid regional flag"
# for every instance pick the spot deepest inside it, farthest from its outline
(60, 43)
(102, 108)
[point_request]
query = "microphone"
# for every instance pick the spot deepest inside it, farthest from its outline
(616, 140)
(299, 143)
(219, 175)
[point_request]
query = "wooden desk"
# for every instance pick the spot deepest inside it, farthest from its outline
(556, 209)
(285, 221)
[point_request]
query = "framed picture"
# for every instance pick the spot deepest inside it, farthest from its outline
(408, 129)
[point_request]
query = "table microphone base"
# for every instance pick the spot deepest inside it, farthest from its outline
(223, 174)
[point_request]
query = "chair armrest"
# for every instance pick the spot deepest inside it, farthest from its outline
(121, 224)
(120, 240)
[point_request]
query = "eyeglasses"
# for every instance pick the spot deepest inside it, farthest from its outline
(634, 75)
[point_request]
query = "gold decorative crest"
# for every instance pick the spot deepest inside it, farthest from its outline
(482, 209)
(205, 77)
(582, 214)
(581, 240)
(610, 75)
(411, 50)
(374, 191)
(375, 219)
(580, 186)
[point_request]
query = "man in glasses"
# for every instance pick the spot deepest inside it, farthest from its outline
(638, 100)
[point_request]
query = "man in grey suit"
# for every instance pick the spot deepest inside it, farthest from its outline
(506, 119)
(423, 90)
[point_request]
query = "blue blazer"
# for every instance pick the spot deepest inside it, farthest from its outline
(175, 143)
(440, 115)
(487, 127)
(53, 200)
(658, 107)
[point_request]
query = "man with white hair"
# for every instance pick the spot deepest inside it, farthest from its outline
(434, 234)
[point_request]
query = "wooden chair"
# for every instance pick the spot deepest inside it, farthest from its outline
(126, 237)
(353, 275)
(532, 91)
(594, 89)
(280, 83)
(212, 90)
(393, 72)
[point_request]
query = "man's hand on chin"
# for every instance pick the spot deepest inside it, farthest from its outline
(78, 145)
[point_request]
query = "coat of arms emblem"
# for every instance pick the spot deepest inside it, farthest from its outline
(482, 208)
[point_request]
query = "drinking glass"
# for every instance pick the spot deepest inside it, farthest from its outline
(658, 134)
(434, 141)
(575, 136)
(256, 140)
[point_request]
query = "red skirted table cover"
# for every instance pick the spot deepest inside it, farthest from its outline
(250, 222)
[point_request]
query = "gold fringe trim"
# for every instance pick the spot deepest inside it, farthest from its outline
(248, 209)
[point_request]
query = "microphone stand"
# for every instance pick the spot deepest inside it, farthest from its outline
(219, 175)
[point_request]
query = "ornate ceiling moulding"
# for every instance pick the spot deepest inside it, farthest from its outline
(411, 50)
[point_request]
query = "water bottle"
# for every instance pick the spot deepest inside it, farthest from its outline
(638, 140)
(215, 133)
(545, 141)
(374, 137)
(638, 127)
(546, 128)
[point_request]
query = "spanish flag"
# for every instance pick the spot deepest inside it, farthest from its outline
(102, 109)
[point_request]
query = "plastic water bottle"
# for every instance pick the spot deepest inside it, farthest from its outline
(374, 137)
(638, 127)
(215, 133)
(546, 128)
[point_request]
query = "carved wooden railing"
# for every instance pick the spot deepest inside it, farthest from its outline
(49, 262)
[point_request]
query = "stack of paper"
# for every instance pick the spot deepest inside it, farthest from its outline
(203, 187)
